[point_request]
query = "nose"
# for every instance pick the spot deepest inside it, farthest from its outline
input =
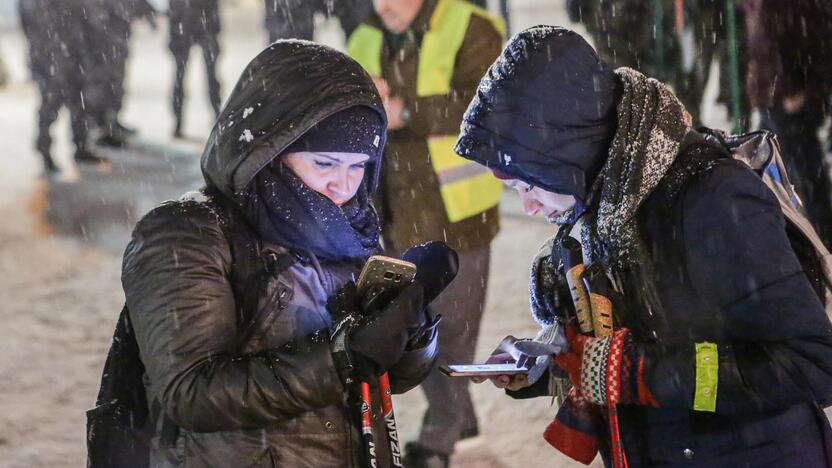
(341, 188)
(530, 205)
(380, 5)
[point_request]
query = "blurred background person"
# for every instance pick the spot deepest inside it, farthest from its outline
(427, 57)
(194, 22)
(58, 46)
(295, 19)
(4, 74)
(110, 29)
(788, 81)
(672, 41)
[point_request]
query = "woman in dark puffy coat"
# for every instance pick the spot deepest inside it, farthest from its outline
(723, 357)
(228, 287)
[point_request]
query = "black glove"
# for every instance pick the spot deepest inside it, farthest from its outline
(380, 343)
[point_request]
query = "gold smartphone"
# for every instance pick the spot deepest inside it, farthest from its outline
(384, 274)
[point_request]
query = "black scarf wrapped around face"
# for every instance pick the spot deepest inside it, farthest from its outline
(286, 212)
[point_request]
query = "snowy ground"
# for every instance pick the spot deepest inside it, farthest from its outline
(61, 246)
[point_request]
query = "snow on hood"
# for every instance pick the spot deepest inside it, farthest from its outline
(544, 113)
(282, 93)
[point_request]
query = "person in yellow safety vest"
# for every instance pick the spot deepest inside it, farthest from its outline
(427, 57)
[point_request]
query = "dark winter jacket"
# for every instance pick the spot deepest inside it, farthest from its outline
(725, 273)
(58, 41)
(114, 17)
(268, 393)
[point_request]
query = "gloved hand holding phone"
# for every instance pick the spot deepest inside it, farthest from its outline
(379, 344)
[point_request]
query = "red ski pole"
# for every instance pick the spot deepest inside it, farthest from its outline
(367, 425)
(390, 419)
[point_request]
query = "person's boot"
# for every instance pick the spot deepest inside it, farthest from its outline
(49, 166)
(177, 130)
(416, 456)
(84, 156)
(111, 140)
(127, 131)
(112, 136)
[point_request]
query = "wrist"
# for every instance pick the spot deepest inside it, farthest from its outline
(425, 335)
(339, 347)
(405, 115)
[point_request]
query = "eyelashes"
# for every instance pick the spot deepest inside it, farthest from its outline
(329, 165)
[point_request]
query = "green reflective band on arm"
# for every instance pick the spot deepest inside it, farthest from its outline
(707, 377)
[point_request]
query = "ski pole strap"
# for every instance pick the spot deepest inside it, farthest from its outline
(341, 357)
(367, 426)
(390, 419)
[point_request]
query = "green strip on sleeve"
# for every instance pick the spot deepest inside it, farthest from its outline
(707, 377)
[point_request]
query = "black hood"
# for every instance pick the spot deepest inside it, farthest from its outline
(544, 113)
(287, 89)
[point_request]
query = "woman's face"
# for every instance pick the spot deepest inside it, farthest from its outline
(336, 176)
(536, 200)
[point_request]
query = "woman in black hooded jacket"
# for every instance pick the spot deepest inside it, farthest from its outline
(237, 352)
(724, 354)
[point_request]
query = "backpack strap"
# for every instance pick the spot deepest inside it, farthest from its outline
(760, 151)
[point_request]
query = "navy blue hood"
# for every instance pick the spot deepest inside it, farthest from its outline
(545, 112)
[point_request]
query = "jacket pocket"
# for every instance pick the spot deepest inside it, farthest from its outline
(244, 449)
(686, 437)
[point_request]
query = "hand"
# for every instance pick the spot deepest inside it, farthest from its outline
(380, 344)
(505, 353)
(394, 106)
(382, 87)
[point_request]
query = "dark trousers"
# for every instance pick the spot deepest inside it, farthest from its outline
(450, 412)
(181, 49)
(105, 97)
(804, 158)
(54, 96)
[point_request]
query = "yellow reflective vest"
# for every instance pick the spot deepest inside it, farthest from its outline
(467, 188)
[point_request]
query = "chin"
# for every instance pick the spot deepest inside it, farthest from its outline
(393, 26)
(558, 218)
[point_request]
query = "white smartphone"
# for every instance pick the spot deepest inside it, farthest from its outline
(482, 370)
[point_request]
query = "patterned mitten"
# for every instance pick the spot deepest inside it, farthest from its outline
(607, 370)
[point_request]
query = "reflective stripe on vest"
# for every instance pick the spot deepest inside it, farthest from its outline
(364, 45)
(467, 188)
